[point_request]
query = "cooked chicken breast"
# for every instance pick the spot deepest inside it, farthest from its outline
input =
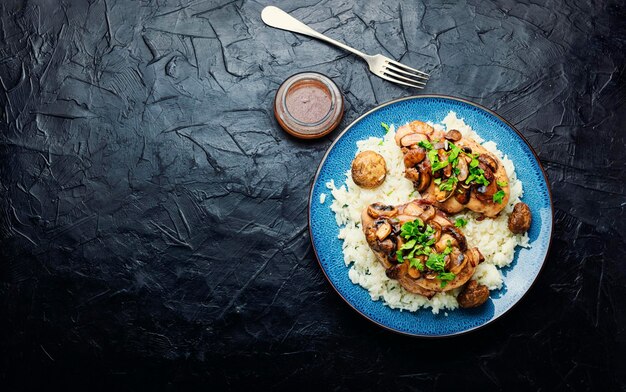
(453, 172)
(418, 246)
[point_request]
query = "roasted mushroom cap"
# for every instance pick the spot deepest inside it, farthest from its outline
(520, 219)
(473, 295)
(369, 169)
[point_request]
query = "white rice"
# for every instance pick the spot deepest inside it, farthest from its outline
(491, 236)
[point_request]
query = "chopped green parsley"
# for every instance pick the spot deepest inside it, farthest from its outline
(420, 239)
(498, 196)
(460, 222)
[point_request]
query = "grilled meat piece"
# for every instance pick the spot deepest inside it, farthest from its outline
(382, 225)
(453, 189)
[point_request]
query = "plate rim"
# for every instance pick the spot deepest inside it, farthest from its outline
(436, 96)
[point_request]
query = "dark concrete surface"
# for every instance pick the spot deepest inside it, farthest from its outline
(153, 221)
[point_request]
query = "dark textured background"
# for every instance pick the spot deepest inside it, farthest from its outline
(153, 218)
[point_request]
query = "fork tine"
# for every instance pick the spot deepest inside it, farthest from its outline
(396, 69)
(387, 77)
(391, 72)
(397, 64)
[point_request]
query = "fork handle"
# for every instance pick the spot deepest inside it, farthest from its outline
(275, 17)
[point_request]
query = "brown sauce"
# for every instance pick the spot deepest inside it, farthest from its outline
(308, 105)
(308, 102)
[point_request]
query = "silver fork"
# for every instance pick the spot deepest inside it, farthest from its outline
(379, 65)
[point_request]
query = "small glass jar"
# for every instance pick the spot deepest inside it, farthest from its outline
(308, 105)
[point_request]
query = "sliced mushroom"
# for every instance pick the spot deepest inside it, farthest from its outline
(459, 280)
(377, 210)
(383, 231)
(413, 209)
(489, 161)
(437, 227)
(413, 272)
(457, 235)
(404, 218)
(441, 219)
(486, 192)
(447, 170)
(474, 256)
(413, 138)
(463, 193)
(425, 177)
(429, 212)
(453, 135)
(442, 243)
(463, 169)
(414, 156)
(458, 262)
(387, 246)
(421, 127)
(412, 174)
(447, 194)
(413, 127)
(402, 132)
(438, 144)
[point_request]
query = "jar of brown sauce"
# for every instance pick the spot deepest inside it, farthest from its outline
(308, 105)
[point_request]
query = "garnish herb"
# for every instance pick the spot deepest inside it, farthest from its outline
(498, 196)
(476, 174)
(448, 184)
(445, 277)
(419, 239)
(433, 157)
(436, 262)
(502, 183)
(425, 144)
(460, 222)
(385, 126)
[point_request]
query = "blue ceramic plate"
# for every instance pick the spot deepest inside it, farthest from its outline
(518, 277)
